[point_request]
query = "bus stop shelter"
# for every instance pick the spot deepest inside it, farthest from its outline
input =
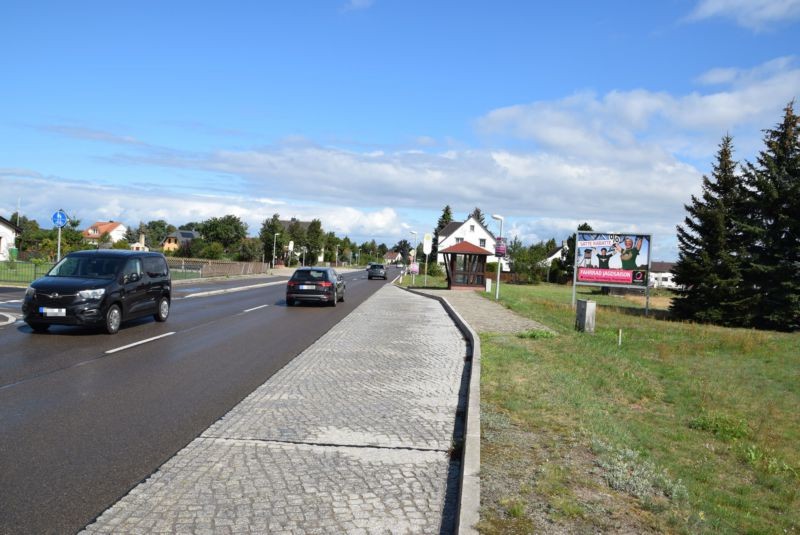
(465, 264)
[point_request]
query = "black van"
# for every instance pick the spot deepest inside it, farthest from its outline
(102, 288)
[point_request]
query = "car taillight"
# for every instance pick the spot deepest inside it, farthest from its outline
(291, 283)
(326, 284)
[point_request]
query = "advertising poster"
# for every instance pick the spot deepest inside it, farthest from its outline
(612, 259)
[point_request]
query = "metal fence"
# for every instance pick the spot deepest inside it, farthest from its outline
(23, 272)
(181, 268)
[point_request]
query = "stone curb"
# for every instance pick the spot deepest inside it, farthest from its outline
(470, 483)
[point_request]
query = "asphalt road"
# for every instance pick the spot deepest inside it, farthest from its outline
(85, 416)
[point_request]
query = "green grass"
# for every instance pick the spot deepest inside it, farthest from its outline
(683, 428)
(420, 281)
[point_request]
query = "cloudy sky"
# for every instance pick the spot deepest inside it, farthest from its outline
(372, 115)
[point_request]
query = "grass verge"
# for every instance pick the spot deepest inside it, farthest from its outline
(682, 428)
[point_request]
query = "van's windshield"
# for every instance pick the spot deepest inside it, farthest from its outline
(87, 267)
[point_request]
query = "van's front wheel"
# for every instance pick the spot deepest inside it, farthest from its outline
(113, 319)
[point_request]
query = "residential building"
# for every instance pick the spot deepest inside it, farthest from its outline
(8, 236)
(661, 275)
(392, 257)
(139, 245)
(179, 238)
(115, 230)
(470, 231)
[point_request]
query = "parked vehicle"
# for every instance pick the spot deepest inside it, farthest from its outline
(102, 288)
(376, 271)
(319, 285)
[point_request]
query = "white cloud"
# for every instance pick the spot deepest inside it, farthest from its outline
(755, 15)
(622, 161)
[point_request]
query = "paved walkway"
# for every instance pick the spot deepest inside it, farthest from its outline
(485, 315)
(351, 437)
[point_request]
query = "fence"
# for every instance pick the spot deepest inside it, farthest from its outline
(23, 272)
(196, 268)
(181, 268)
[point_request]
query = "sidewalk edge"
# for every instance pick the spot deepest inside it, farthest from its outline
(470, 483)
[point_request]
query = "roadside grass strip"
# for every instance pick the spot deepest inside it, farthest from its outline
(683, 428)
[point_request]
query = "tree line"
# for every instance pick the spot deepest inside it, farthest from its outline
(739, 245)
(223, 237)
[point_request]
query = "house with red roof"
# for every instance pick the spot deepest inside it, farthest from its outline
(115, 230)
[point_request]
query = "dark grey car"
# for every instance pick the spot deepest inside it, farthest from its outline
(376, 271)
(317, 285)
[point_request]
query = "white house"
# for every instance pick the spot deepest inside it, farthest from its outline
(8, 235)
(115, 230)
(661, 275)
(554, 254)
(470, 231)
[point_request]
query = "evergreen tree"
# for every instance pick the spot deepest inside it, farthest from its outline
(445, 219)
(708, 270)
(772, 275)
(568, 256)
(477, 214)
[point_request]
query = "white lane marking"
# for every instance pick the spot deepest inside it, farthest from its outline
(255, 308)
(11, 319)
(231, 290)
(11, 302)
(140, 342)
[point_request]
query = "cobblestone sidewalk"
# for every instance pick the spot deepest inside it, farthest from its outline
(351, 437)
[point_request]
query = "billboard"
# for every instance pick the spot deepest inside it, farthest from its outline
(606, 259)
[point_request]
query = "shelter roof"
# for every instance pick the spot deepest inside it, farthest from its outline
(465, 247)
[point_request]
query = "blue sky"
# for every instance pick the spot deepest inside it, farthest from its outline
(373, 115)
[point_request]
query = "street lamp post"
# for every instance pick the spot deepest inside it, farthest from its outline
(413, 276)
(274, 242)
(499, 264)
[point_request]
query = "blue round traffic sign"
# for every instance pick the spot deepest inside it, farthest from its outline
(59, 218)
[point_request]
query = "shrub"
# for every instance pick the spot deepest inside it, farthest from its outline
(435, 269)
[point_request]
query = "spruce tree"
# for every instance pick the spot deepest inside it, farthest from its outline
(477, 213)
(772, 276)
(445, 219)
(708, 270)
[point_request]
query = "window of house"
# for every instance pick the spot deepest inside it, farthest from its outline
(472, 228)
(483, 242)
(459, 240)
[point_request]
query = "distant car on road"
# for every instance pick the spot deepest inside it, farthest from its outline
(99, 288)
(376, 271)
(317, 285)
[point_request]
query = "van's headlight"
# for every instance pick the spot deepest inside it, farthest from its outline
(92, 294)
(30, 291)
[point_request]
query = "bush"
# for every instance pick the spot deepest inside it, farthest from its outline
(213, 251)
(491, 267)
(435, 269)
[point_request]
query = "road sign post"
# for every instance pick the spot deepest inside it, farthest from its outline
(59, 220)
(427, 247)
